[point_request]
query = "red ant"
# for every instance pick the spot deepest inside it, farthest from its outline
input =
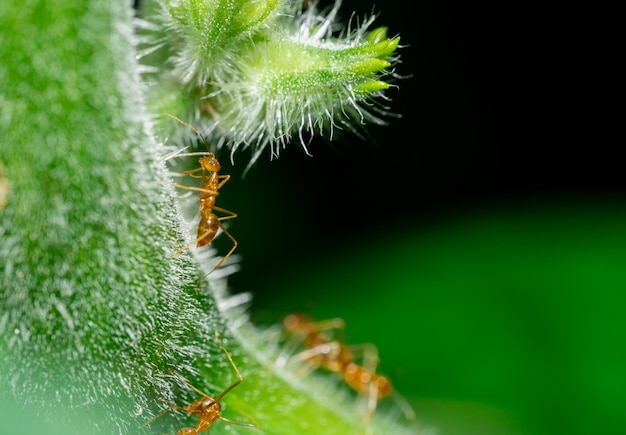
(208, 408)
(322, 350)
(210, 184)
(325, 351)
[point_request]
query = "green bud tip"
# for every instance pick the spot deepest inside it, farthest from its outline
(377, 35)
(370, 66)
(373, 86)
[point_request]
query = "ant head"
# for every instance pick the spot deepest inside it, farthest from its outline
(210, 163)
(187, 431)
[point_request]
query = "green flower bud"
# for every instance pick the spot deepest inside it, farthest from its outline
(265, 72)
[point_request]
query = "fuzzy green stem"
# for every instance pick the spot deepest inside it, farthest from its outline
(97, 306)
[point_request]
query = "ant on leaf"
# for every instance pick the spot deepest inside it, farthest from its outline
(210, 184)
(328, 351)
(207, 408)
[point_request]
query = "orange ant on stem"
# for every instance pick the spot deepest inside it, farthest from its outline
(328, 351)
(210, 184)
(207, 408)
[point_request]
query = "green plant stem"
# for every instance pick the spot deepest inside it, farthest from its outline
(97, 305)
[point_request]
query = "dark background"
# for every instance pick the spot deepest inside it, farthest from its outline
(505, 105)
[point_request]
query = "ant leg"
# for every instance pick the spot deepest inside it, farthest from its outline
(288, 350)
(406, 409)
(249, 417)
(329, 348)
(298, 326)
(230, 236)
(337, 325)
(175, 155)
(160, 414)
(325, 325)
(171, 405)
(372, 401)
(232, 363)
(225, 178)
(373, 387)
(332, 356)
(369, 355)
(229, 389)
(194, 129)
(186, 247)
(229, 214)
(186, 382)
(193, 171)
(197, 189)
(298, 330)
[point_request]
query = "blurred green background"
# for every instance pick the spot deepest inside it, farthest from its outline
(500, 322)
(470, 240)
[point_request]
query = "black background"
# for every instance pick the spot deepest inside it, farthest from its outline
(506, 103)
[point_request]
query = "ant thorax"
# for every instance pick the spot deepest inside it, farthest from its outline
(205, 405)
